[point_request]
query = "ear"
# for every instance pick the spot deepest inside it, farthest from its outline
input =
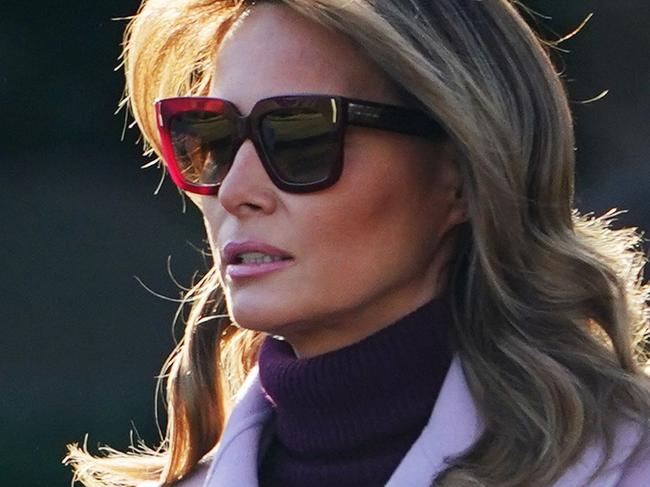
(458, 213)
(453, 180)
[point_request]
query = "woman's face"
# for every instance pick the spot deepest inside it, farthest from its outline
(365, 251)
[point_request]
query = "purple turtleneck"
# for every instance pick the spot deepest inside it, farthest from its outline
(348, 417)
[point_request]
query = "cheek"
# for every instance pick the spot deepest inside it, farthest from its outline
(394, 201)
(374, 226)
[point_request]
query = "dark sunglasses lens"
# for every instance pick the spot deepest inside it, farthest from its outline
(202, 143)
(302, 144)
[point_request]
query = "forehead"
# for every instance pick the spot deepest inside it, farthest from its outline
(275, 51)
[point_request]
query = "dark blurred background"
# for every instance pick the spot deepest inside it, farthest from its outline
(82, 339)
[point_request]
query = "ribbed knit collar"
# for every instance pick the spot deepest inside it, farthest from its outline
(362, 395)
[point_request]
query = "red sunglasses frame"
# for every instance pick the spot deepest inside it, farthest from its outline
(341, 110)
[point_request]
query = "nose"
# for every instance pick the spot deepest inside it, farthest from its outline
(247, 188)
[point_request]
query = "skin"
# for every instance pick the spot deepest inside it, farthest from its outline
(369, 249)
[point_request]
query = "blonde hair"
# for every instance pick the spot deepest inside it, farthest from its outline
(550, 313)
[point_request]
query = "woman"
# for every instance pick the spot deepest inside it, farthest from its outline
(416, 301)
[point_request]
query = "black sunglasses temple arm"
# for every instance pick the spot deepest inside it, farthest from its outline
(394, 118)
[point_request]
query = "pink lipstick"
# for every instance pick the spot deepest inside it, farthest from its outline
(253, 259)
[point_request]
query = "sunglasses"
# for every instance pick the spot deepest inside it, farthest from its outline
(298, 138)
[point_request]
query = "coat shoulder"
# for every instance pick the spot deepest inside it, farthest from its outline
(195, 478)
(636, 471)
(197, 475)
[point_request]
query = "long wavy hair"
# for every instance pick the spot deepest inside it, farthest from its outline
(549, 310)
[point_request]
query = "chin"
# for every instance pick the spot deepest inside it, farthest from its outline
(264, 316)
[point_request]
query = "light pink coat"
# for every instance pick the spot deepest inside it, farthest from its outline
(453, 427)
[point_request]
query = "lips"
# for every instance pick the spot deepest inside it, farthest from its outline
(234, 253)
(253, 259)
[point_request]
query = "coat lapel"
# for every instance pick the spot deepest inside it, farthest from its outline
(236, 459)
(453, 427)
